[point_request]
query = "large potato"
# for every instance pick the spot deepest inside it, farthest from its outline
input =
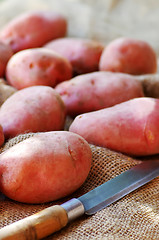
(5, 54)
(45, 167)
(33, 109)
(94, 91)
(37, 66)
(33, 29)
(130, 127)
(128, 56)
(83, 54)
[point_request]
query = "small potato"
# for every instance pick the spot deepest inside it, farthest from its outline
(94, 91)
(45, 167)
(5, 54)
(83, 54)
(37, 66)
(130, 127)
(128, 56)
(33, 29)
(33, 109)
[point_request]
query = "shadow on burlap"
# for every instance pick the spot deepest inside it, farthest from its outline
(136, 216)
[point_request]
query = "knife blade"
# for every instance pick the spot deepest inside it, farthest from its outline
(54, 218)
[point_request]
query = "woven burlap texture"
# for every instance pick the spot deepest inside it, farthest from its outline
(136, 216)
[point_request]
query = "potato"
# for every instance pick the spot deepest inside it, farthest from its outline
(33, 29)
(128, 56)
(5, 91)
(33, 109)
(45, 167)
(83, 54)
(130, 127)
(5, 54)
(37, 66)
(97, 90)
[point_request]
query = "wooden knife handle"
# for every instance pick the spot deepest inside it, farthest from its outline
(36, 226)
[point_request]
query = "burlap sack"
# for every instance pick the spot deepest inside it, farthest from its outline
(102, 20)
(136, 216)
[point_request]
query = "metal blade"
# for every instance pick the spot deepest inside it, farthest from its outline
(119, 186)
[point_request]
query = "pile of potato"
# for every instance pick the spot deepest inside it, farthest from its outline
(51, 76)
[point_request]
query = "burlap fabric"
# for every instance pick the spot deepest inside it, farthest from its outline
(136, 216)
(102, 20)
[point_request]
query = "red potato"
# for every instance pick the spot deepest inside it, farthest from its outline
(130, 127)
(128, 56)
(33, 29)
(33, 109)
(45, 167)
(83, 54)
(5, 54)
(94, 91)
(37, 66)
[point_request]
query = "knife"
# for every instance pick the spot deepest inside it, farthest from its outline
(56, 217)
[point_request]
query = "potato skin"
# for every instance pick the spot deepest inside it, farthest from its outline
(83, 54)
(33, 109)
(45, 167)
(33, 29)
(5, 54)
(37, 66)
(97, 90)
(130, 127)
(128, 56)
